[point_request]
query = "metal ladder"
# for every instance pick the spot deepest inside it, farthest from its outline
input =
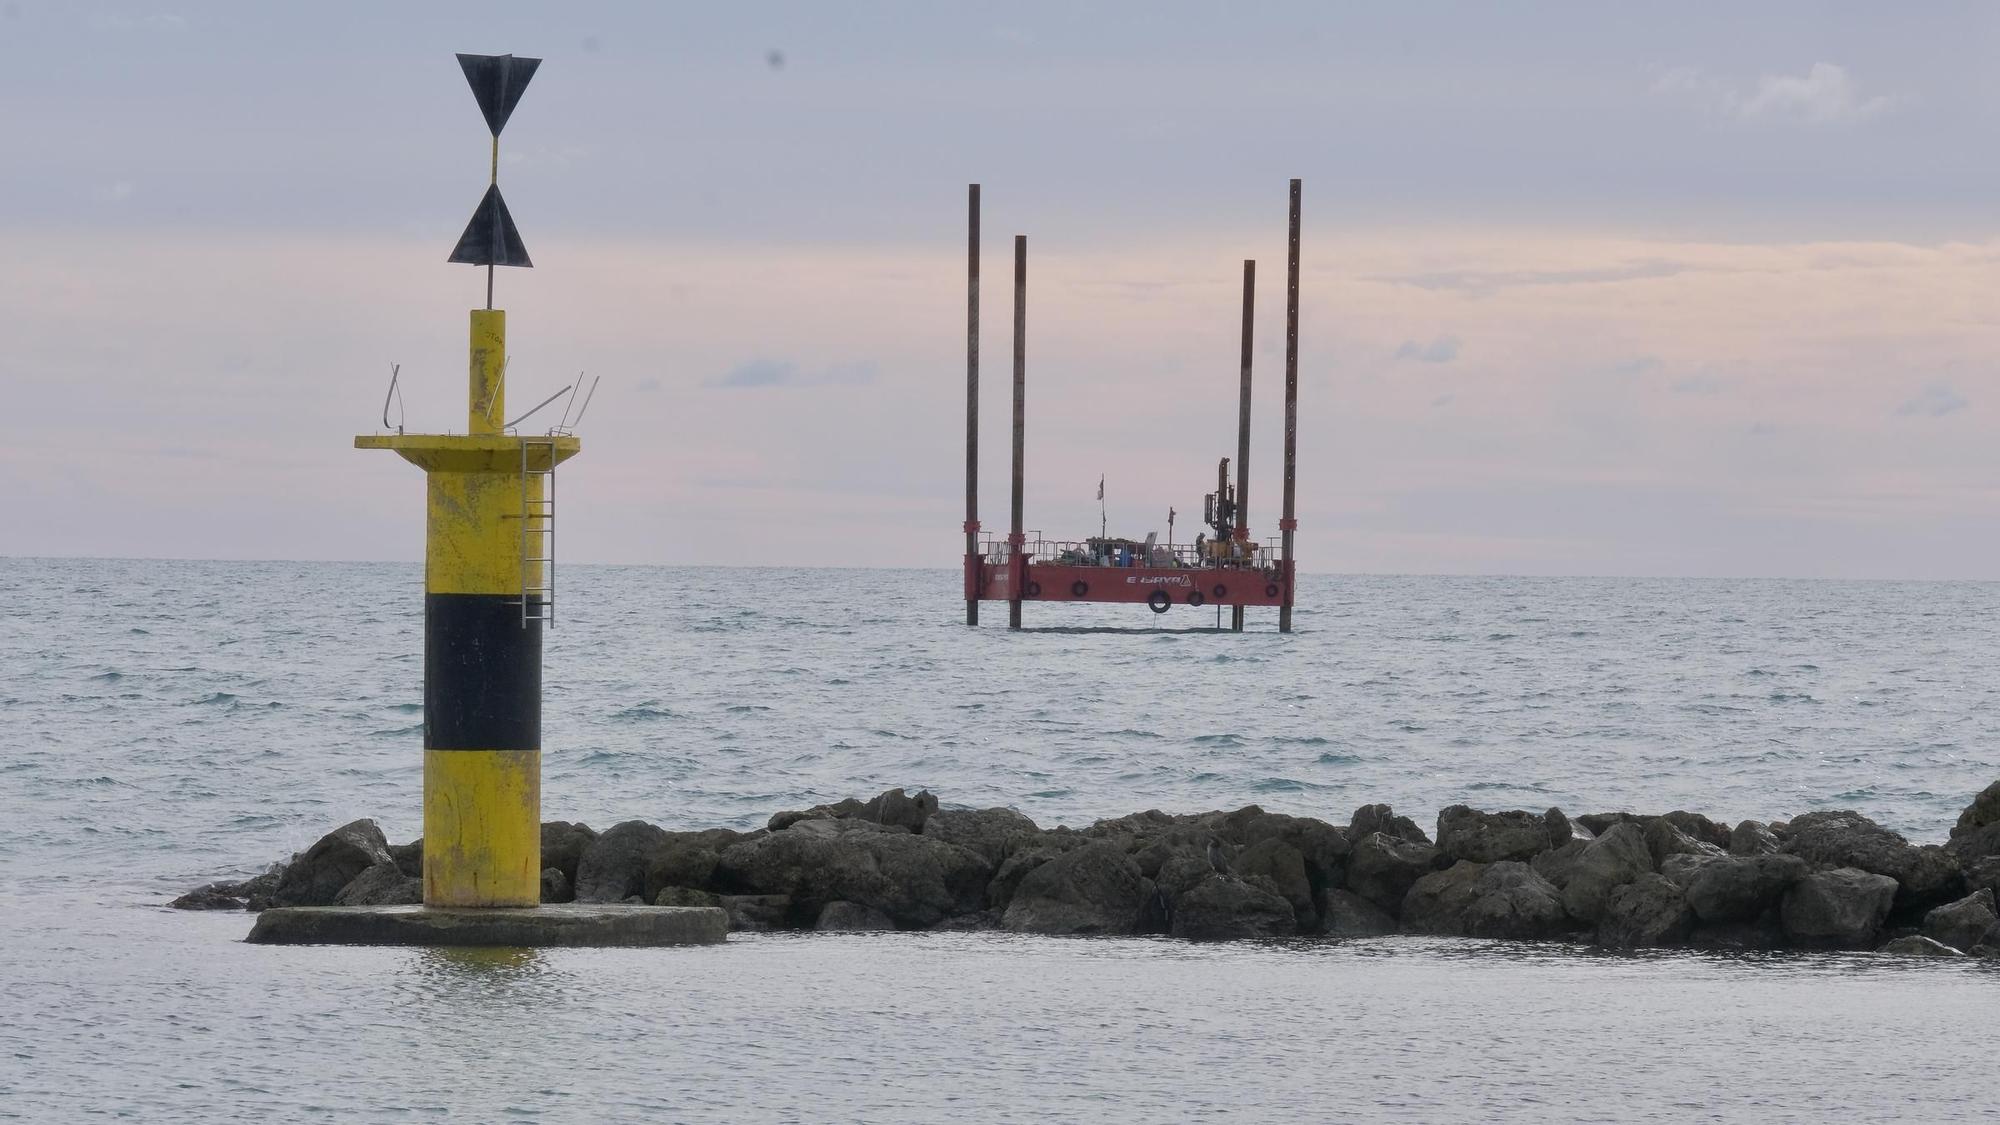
(538, 532)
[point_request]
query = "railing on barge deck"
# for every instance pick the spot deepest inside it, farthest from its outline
(1088, 552)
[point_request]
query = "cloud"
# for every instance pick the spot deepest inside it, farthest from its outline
(1825, 94)
(1637, 365)
(1488, 281)
(1934, 401)
(1444, 349)
(157, 21)
(785, 373)
(649, 385)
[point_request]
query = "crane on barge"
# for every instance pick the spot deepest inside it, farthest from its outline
(1229, 569)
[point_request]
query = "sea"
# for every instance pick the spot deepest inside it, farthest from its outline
(165, 723)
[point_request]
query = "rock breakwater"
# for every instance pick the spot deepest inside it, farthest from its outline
(1822, 880)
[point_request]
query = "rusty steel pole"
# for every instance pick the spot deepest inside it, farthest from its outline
(972, 560)
(1243, 428)
(1289, 524)
(1016, 540)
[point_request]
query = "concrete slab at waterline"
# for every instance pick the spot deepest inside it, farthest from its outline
(615, 925)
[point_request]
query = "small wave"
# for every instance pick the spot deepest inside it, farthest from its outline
(1307, 740)
(220, 699)
(1792, 697)
(1332, 759)
(397, 732)
(642, 711)
(107, 677)
(405, 708)
(1285, 785)
(1224, 739)
(745, 708)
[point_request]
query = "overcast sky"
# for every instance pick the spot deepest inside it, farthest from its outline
(1589, 288)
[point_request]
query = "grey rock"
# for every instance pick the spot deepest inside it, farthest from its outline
(1741, 888)
(1916, 945)
(1649, 911)
(1382, 868)
(1699, 828)
(757, 913)
(556, 888)
(685, 859)
(847, 809)
(851, 917)
(1983, 871)
(563, 845)
(409, 858)
(1224, 907)
(1618, 856)
(1323, 847)
(317, 877)
(901, 810)
(993, 833)
(612, 867)
(1282, 864)
(1977, 833)
(968, 923)
(1664, 839)
(1837, 909)
(1556, 864)
(1753, 838)
(1095, 889)
(211, 896)
(1562, 829)
(1966, 924)
(914, 880)
(1600, 823)
(1465, 833)
(1680, 869)
(1926, 876)
(1493, 900)
(1000, 891)
(1348, 915)
(686, 896)
(1381, 818)
(381, 885)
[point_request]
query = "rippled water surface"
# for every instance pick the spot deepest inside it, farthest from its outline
(165, 722)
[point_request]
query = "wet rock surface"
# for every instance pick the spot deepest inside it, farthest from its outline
(900, 861)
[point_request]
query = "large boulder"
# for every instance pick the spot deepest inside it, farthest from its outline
(1838, 909)
(612, 867)
(1284, 868)
(556, 886)
(1966, 924)
(409, 858)
(1094, 889)
(686, 859)
(914, 880)
(1699, 828)
(317, 877)
(1925, 876)
(1382, 868)
(1225, 907)
(1741, 888)
(1383, 819)
(1465, 833)
(1765, 931)
(1556, 864)
(1977, 833)
(1618, 856)
(1664, 838)
(1032, 854)
(563, 845)
(1322, 846)
(1649, 911)
(851, 917)
(1348, 915)
(758, 913)
(381, 885)
(901, 810)
(1752, 837)
(1916, 945)
(993, 833)
(1492, 900)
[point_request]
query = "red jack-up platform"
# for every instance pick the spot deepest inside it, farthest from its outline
(1229, 570)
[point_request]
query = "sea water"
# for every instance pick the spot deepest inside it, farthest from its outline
(164, 723)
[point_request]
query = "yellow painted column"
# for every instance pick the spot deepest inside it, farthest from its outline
(487, 395)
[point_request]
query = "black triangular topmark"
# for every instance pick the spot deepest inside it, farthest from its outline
(497, 81)
(490, 238)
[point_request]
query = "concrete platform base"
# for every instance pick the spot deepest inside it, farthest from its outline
(567, 924)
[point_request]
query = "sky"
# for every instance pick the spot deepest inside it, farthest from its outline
(1587, 288)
